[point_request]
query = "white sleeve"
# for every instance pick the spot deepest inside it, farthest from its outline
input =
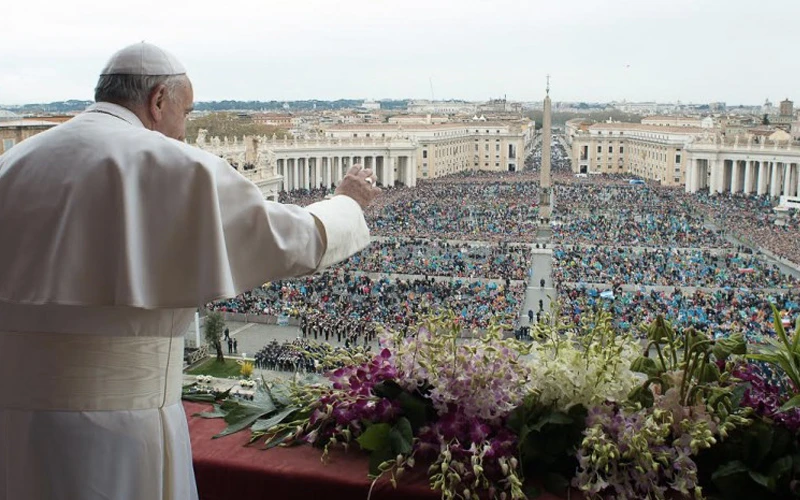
(346, 231)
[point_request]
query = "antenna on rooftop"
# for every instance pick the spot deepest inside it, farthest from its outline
(430, 80)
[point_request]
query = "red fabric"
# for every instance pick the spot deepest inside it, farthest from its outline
(227, 469)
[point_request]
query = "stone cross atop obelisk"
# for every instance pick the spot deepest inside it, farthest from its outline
(545, 184)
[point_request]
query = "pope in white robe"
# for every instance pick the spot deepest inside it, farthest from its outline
(112, 232)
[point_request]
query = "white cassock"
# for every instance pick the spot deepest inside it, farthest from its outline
(110, 236)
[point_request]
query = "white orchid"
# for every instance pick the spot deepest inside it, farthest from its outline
(584, 370)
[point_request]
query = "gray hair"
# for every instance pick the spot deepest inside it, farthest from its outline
(134, 89)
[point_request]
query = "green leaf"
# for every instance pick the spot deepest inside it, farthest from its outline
(780, 467)
(199, 398)
(778, 324)
(645, 365)
(265, 424)
(555, 483)
(277, 439)
(398, 443)
(414, 409)
(729, 469)
(552, 417)
(404, 426)
(791, 404)
(376, 437)
(376, 458)
(387, 389)
(710, 373)
(642, 395)
(765, 481)
(732, 479)
(242, 416)
(281, 394)
(759, 444)
(217, 412)
(516, 419)
(733, 344)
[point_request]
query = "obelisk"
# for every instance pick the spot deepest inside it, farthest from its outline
(545, 184)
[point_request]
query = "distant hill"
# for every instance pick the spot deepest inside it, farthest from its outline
(227, 105)
(306, 105)
(51, 107)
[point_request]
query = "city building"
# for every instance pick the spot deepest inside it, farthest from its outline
(286, 164)
(651, 152)
(733, 165)
(500, 106)
(281, 120)
(679, 121)
(442, 107)
(416, 119)
(769, 133)
(717, 107)
(787, 108)
(448, 148)
(370, 105)
(12, 132)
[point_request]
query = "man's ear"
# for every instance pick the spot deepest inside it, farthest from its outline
(157, 101)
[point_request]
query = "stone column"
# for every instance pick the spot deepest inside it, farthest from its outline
(774, 183)
(797, 184)
(388, 165)
(748, 177)
(761, 183)
(797, 179)
(328, 171)
(295, 171)
(787, 178)
(689, 188)
(716, 167)
(306, 171)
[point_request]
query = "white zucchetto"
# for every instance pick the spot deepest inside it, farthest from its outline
(143, 59)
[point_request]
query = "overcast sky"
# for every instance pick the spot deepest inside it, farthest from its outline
(737, 51)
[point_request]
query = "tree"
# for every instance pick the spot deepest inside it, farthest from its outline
(213, 331)
(228, 125)
(765, 120)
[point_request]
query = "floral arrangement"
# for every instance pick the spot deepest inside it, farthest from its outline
(584, 407)
(246, 370)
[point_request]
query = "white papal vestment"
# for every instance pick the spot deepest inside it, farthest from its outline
(110, 236)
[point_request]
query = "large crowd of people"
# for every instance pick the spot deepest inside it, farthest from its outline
(668, 227)
(299, 355)
(751, 219)
(613, 233)
(388, 301)
(442, 258)
(718, 313)
(463, 243)
(667, 267)
(481, 210)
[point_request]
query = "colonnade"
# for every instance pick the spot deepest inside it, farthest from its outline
(306, 172)
(774, 177)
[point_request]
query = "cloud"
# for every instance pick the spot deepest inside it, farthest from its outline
(730, 50)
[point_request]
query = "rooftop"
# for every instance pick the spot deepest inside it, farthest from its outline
(647, 128)
(26, 123)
